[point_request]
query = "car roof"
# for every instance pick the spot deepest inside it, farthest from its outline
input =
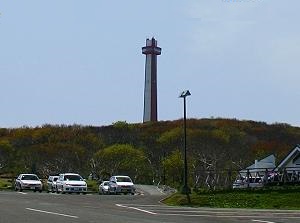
(120, 176)
(70, 174)
(28, 174)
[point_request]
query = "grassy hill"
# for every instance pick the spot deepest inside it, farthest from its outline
(149, 152)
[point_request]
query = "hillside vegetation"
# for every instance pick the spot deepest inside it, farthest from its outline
(149, 153)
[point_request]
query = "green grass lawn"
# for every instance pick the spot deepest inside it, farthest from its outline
(275, 198)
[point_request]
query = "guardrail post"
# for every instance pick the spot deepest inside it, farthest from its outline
(229, 178)
(248, 180)
(284, 176)
(265, 181)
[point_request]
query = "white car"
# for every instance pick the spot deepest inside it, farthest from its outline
(28, 182)
(71, 183)
(121, 184)
(51, 183)
(104, 188)
(244, 182)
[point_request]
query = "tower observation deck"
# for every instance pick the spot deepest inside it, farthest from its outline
(151, 50)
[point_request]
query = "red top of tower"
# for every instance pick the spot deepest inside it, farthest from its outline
(151, 47)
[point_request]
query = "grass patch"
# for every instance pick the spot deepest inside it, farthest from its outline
(275, 198)
(5, 184)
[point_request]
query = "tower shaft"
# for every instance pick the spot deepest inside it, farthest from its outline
(150, 91)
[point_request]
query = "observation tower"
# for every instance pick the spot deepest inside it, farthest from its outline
(151, 50)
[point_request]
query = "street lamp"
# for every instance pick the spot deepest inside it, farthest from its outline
(185, 189)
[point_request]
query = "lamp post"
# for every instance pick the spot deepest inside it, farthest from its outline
(185, 189)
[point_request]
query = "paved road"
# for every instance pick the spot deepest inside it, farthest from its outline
(29, 207)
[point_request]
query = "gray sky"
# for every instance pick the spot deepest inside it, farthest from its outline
(72, 61)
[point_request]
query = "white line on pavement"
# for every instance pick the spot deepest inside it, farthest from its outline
(138, 209)
(216, 213)
(49, 212)
(263, 221)
(22, 193)
(193, 211)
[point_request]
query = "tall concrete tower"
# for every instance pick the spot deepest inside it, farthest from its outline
(150, 92)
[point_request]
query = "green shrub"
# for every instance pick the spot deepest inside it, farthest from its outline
(92, 185)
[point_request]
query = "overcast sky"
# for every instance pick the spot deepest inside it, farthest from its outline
(75, 61)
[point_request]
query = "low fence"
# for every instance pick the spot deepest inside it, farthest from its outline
(254, 177)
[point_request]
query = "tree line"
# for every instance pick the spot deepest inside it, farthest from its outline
(149, 152)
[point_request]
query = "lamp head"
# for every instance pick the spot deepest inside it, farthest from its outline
(185, 94)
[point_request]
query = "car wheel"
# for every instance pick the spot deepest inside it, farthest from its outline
(40, 191)
(57, 191)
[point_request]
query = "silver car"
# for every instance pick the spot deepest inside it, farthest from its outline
(103, 187)
(51, 183)
(121, 184)
(28, 182)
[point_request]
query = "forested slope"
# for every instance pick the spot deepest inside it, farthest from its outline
(148, 152)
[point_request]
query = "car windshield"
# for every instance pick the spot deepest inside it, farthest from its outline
(123, 179)
(105, 183)
(73, 178)
(29, 177)
(55, 178)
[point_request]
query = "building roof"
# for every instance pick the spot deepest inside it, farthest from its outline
(292, 155)
(261, 165)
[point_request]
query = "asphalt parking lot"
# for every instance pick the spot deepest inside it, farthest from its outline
(145, 207)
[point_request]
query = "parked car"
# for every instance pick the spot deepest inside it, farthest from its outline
(103, 187)
(244, 182)
(71, 183)
(121, 184)
(28, 182)
(51, 183)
